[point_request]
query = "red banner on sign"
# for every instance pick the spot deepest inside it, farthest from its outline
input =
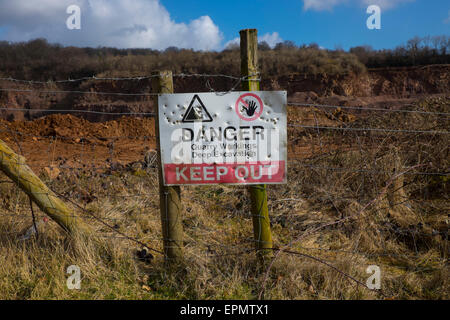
(227, 173)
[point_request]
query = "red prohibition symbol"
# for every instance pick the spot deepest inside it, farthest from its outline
(251, 110)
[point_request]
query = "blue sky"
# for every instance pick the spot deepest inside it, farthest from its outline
(209, 24)
(343, 25)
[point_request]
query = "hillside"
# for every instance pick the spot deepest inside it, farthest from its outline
(374, 87)
(368, 166)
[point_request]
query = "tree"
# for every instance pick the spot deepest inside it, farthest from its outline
(172, 49)
(264, 46)
(413, 47)
(233, 46)
(286, 45)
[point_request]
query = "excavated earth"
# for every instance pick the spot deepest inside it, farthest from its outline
(80, 140)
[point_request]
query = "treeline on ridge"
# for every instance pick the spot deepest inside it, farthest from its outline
(39, 60)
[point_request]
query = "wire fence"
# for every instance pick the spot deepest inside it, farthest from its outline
(338, 166)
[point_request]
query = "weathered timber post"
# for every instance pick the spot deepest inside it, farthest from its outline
(258, 193)
(170, 199)
(13, 165)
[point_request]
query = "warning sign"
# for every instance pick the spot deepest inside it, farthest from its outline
(249, 107)
(232, 138)
(197, 112)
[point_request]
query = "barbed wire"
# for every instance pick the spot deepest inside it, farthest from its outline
(245, 241)
(349, 170)
(49, 82)
(297, 161)
(81, 137)
(367, 109)
(208, 86)
(384, 130)
(292, 125)
(78, 92)
(80, 111)
(137, 78)
(391, 228)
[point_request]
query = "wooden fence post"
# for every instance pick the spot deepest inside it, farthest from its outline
(14, 166)
(258, 193)
(170, 199)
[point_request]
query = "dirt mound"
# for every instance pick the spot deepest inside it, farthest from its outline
(68, 126)
(66, 141)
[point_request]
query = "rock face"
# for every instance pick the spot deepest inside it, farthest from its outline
(398, 82)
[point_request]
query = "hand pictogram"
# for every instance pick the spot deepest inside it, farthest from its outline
(251, 109)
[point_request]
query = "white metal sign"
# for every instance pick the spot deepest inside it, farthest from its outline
(223, 138)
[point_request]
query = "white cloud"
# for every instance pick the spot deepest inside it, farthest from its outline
(272, 40)
(117, 23)
(232, 43)
(322, 5)
(385, 4)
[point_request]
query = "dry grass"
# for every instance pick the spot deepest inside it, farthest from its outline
(404, 232)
